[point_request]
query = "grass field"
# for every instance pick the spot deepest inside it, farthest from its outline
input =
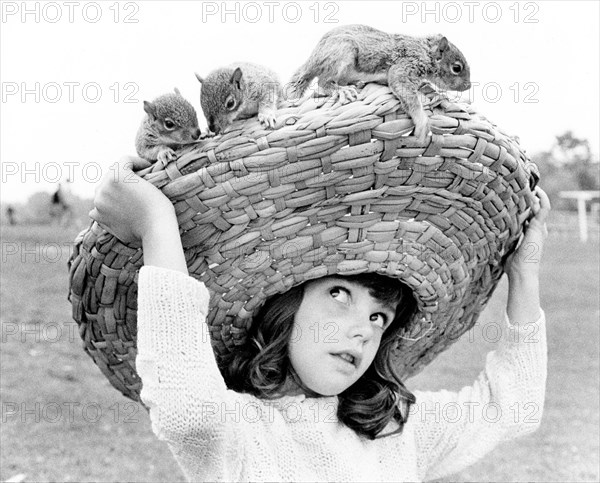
(62, 421)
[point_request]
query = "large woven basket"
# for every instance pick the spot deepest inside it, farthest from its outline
(333, 189)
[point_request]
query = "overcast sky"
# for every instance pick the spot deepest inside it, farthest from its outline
(74, 74)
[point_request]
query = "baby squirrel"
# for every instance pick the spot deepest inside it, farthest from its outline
(170, 122)
(239, 91)
(359, 54)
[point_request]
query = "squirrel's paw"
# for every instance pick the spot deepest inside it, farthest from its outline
(267, 119)
(345, 94)
(422, 130)
(165, 156)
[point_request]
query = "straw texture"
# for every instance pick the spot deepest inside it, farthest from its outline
(332, 190)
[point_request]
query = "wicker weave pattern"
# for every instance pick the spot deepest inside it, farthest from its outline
(331, 190)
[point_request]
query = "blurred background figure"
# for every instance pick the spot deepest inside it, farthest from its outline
(10, 215)
(60, 205)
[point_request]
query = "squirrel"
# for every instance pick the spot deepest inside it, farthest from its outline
(357, 54)
(239, 91)
(170, 122)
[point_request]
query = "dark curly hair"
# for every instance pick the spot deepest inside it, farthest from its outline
(261, 366)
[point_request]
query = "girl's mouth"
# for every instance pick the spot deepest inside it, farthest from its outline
(348, 358)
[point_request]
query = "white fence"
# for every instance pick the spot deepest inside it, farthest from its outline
(567, 224)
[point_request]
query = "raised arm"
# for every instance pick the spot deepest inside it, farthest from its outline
(453, 430)
(182, 384)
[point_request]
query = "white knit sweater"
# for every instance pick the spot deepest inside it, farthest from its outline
(220, 435)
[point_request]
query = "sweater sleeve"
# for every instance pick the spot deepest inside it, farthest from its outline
(454, 429)
(182, 385)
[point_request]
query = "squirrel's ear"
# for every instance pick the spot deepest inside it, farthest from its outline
(177, 92)
(150, 109)
(441, 47)
(236, 77)
(200, 79)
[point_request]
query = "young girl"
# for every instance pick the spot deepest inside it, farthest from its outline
(301, 406)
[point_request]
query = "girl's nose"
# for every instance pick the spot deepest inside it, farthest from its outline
(361, 326)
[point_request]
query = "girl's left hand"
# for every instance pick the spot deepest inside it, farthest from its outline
(525, 261)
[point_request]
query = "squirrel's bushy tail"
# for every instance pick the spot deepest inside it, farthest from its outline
(300, 82)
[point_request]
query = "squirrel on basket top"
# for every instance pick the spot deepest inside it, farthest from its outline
(357, 54)
(170, 122)
(239, 91)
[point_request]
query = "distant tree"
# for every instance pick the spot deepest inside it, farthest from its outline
(576, 154)
(569, 165)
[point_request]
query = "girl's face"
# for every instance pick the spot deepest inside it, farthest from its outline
(337, 331)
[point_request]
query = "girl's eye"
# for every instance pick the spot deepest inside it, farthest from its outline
(457, 68)
(230, 104)
(380, 319)
(169, 124)
(340, 294)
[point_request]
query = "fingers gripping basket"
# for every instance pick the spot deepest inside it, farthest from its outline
(332, 190)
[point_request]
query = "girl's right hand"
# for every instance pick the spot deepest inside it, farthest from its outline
(128, 206)
(525, 261)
